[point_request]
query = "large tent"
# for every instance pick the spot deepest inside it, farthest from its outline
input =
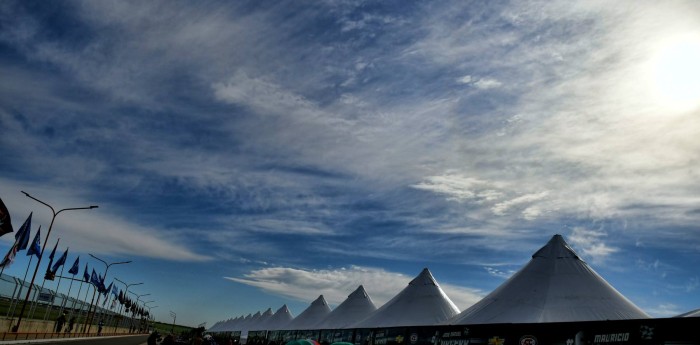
(555, 286)
(356, 307)
(261, 323)
(280, 319)
(421, 303)
(692, 313)
(316, 312)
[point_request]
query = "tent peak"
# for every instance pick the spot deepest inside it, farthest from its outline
(359, 293)
(320, 300)
(556, 248)
(424, 278)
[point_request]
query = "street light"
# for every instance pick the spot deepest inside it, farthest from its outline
(15, 328)
(133, 310)
(172, 329)
(126, 290)
(107, 266)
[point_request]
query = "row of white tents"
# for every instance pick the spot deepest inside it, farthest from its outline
(555, 286)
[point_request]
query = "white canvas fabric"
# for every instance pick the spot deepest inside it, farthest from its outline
(555, 286)
(316, 312)
(421, 303)
(692, 313)
(245, 327)
(280, 319)
(356, 307)
(239, 325)
(262, 321)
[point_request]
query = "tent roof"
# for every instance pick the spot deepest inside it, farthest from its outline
(692, 313)
(422, 302)
(251, 322)
(555, 286)
(316, 312)
(260, 323)
(280, 319)
(356, 307)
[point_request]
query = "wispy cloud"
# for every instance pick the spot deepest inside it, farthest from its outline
(591, 243)
(99, 230)
(336, 284)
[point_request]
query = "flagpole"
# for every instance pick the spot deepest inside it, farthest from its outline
(48, 310)
(84, 302)
(59, 284)
(65, 300)
(126, 290)
(105, 278)
(72, 307)
(15, 328)
(13, 305)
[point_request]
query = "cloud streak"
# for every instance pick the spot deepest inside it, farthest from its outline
(336, 284)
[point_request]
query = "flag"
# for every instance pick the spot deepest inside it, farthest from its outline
(60, 262)
(76, 267)
(121, 298)
(49, 274)
(9, 257)
(35, 248)
(86, 276)
(114, 304)
(115, 291)
(108, 289)
(5, 220)
(53, 252)
(22, 235)
(94, 280)
(102, 284)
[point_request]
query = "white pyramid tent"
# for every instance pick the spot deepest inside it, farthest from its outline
(555, 286)
(692, 313)
(316, 312)
(280, 319)
(421, 303)
(250, 325)
(356, 307)
(238, 326)
(228, 325)
(262, 321)
(216, 326)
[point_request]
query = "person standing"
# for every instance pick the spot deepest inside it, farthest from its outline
(60, 321)
(71, 322)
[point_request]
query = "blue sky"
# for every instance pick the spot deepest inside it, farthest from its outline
(254, 153)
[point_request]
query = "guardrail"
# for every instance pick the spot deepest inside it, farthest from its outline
(53, 335)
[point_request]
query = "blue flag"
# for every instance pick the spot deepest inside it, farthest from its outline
(60, 262)
(106, 291)
(94, 280)
(86, 276)
(74, 270)
(22, 235)
(35, 248)
(115, 291)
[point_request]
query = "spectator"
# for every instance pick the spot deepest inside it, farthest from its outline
(60, 321)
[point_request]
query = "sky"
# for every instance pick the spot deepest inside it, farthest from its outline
(250, 154)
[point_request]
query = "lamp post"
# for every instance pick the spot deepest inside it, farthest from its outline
(142, 317)
(133, 311)
(172, 328)
(15, 328)
(150, 314)
(107, 266)
(126, 290)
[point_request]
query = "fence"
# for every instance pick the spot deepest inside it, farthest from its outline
(46, 305)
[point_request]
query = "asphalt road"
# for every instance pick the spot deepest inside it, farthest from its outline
(122, 340)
